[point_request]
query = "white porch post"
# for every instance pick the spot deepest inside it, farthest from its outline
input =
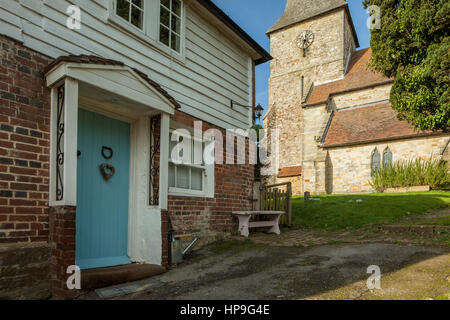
(164, 161)
(68, 144)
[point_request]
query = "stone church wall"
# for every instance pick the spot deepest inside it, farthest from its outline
(324, 58)
(361, 97)
(348, 168)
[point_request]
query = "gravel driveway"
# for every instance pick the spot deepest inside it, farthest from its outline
(252, 271)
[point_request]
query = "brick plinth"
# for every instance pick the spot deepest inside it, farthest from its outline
(62, 239)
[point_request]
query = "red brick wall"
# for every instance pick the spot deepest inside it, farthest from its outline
(165, 243)
(211, 218)
(24, 144)
(63, 237)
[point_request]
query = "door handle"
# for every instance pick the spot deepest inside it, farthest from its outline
(78, 153)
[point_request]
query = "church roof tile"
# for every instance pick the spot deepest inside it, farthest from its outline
(368, 124)
(359, 76)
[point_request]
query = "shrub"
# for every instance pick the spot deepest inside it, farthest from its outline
(411, 173)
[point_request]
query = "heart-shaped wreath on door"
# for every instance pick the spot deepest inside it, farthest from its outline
(107, 170)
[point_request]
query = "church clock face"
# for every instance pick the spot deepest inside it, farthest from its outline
(305, 40)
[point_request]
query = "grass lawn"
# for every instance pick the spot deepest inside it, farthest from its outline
(334, 212)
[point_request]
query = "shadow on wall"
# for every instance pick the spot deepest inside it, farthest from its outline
(328, 174)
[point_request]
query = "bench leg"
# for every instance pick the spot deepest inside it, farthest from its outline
(243, 225)
(276, 227)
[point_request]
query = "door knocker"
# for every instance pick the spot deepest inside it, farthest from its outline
(107, 157)
(107, 170)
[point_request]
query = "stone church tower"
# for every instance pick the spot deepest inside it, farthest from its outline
(311, 44)
(335, 123)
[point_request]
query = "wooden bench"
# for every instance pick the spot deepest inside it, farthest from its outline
(245, 224)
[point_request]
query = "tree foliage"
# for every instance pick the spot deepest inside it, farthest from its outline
(413, 46)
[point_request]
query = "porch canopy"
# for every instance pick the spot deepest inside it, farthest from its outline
(105, 86)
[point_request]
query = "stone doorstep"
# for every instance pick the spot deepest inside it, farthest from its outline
(104, 277)
(425, 230)
(121, 290)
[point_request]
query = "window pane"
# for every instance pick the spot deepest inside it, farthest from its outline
(175, 44)
(176, 7)
(164, 34)
(166, 3)
(136, 17)
(387, 157)
(176, 25)
(123, 9)
(196, 179)
(376, 160)
(171, 175)
(138, 3)
(165, 17)
(170, 17)
(182, 177)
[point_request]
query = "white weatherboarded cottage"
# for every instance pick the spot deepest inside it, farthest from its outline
(91, 90)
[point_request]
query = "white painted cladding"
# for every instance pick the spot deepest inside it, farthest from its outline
(211, 70)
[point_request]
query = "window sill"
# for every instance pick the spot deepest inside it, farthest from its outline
(189, 193)
(140, 35)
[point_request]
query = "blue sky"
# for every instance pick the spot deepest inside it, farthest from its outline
(257, 16)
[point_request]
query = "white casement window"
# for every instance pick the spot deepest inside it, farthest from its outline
(132, 11)
(158, 22)
(189, 178)
(170, 23)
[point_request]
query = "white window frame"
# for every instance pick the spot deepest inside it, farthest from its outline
(207, 177)
(170, 26)
(150, 32)
(144, 10)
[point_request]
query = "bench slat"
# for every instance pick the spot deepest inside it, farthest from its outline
(247, 213)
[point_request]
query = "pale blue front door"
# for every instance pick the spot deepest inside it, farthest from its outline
(102, 205)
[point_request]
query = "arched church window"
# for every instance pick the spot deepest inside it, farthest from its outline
(375, 161)
(387, 157)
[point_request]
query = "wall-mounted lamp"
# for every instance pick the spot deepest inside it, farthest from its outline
(258, 109)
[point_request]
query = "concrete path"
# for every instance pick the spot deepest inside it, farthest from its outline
(245, 270)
